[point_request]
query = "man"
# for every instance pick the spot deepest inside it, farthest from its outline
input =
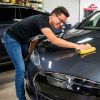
(20, 33)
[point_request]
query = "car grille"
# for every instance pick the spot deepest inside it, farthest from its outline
(40, 96)
(60, 86)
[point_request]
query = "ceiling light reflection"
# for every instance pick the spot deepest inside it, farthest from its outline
(84, 40)
(49, 64)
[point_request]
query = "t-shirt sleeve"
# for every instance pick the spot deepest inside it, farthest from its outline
(43, 23)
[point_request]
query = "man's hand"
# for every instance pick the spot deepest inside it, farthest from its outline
(83, 47)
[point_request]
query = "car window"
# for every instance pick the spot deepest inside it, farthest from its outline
(25, 12)
(7, 15)
(92, 22)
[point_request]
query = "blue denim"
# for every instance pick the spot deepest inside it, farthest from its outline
(14, 50)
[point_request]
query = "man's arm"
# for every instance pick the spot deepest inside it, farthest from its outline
(61, 42)
(31, 47)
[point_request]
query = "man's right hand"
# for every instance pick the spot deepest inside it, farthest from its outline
(83, 47)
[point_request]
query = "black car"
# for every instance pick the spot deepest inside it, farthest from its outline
(58, 73)
(55, 73)
(10, 14)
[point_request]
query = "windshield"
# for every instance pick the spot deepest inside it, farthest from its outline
(92, 22)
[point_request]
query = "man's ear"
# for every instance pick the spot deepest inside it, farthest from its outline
(53, 14)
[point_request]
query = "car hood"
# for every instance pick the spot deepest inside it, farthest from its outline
(67, 61)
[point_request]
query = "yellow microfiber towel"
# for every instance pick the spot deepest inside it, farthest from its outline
(86, 51)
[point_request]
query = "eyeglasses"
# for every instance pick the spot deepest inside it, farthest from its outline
(61, 21)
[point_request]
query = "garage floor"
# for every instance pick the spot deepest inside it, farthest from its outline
(7, 89)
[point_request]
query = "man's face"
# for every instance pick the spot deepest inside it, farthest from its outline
(58, 21)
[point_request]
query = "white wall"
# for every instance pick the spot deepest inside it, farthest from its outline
(71, 5)
(86, 4)
(75, 7)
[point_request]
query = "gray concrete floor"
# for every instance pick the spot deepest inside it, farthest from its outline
(7, 87)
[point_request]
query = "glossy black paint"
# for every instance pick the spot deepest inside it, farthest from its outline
(67, 61)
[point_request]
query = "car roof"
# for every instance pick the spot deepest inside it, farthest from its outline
(11, 5)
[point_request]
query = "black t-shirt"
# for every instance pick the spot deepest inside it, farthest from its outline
(29, 27)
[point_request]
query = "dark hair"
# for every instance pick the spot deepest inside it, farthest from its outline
(59, 10)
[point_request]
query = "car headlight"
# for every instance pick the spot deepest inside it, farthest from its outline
(35, 57)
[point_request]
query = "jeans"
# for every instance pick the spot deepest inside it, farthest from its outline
(14, 50)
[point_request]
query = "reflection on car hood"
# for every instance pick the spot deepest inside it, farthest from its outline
(75, 32)
(67, 61)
